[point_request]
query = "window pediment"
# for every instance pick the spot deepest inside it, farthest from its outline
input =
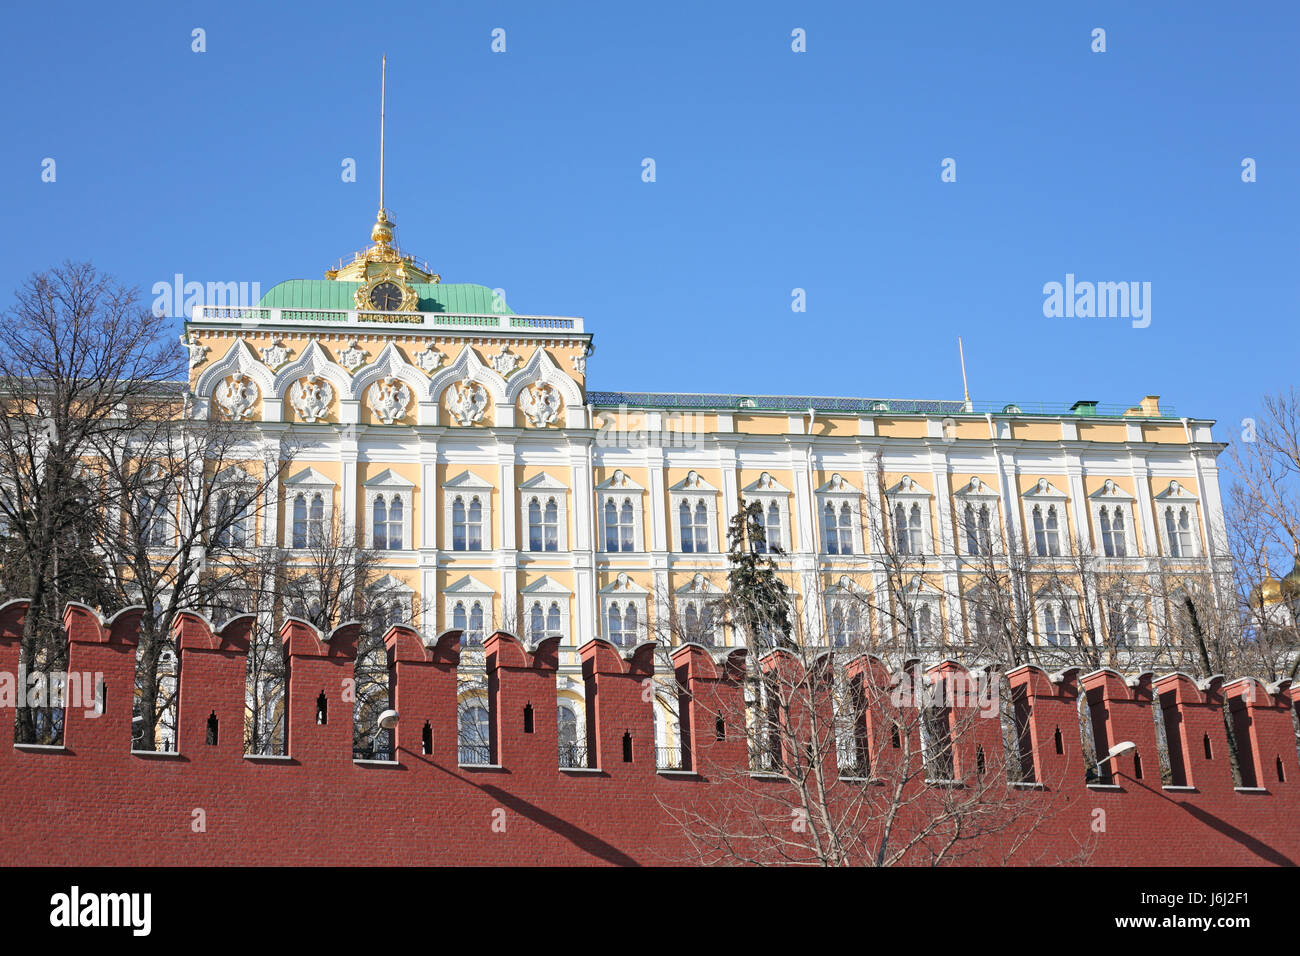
(1045, 490)
(543, 482)
(837, 485)
(309, 478)
(699, 584)
(468, 585)
(623, 585)
(765, 484)
(545, 585)
(976, 488)
(692, 483)
(1110, 492)
(467, 480)
(619, 481)
(907, 488)
(1176, 492)
(387, 479)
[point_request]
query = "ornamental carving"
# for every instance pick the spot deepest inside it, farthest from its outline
(198, 351)
(276, 354)
(389, 398)
(429, 359)
(580, 364)
(237, 395)
(505, 361)
(541, 405)
(467, 401)
(311, 397)
(352, 357)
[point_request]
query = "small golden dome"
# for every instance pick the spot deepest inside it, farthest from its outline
(382, 232)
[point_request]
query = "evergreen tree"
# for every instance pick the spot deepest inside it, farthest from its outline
(758, 601)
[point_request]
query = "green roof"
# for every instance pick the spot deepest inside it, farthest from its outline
(465, 297)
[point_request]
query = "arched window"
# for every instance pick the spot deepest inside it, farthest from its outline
(233, 519)
(901, 539)
(553, 618)
(830, 529)
(316, 521)
(923, 624)
(475, 632)
(1178, 524)
(1047, 531)
(467, 524)
(152, 513)
(536, 622)
(308, 520)
(300, 521)
(571, 753)
(846, 529)
(544, 525)
(386, 518)
(978, 526)
(615, 624)
(695, 527)
(839, 635)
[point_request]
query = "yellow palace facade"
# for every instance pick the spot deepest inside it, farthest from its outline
(461, 442)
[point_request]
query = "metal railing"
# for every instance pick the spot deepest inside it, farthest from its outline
(474, 755)
(572, 755)
(669, 758)
(440, 320)
(371, 753)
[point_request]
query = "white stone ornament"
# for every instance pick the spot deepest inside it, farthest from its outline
(429, 359)
(198, 351)
(467, 401)
(276, 354)
(311, 397)
(352, 357)
(236, 396)
(580, 364)
(505, 361)
(541, 405)
(389, 398)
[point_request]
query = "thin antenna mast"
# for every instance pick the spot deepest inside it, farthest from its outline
(965, 390)
(383, 95)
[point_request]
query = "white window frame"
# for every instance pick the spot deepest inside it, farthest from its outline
(466, 591)
(542, 488)
(1045, 495)
(393, 590)
(467, 486)
(308, 482)
(1060, 603)
(767, 491)
(1111, 498)
(546, 591)
(389, 485)
(909, 494)
(694, 491)
(701, 595)
(847, 598)
(624, 592)
(978, 495)
(837, 492)
(1178, 497)
(921, 595)
(235, 480)
(619, 488)
(1128, 605)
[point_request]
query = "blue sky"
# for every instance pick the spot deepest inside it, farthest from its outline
(775, 170)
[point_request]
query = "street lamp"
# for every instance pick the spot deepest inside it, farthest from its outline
(1123, 747)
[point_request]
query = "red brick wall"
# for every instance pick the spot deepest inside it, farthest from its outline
(92, 801)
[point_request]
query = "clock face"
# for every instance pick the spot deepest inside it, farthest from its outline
(386, 297)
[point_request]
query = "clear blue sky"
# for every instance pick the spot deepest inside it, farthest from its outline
(775, 170)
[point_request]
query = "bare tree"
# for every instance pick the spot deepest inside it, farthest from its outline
(78, 354)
